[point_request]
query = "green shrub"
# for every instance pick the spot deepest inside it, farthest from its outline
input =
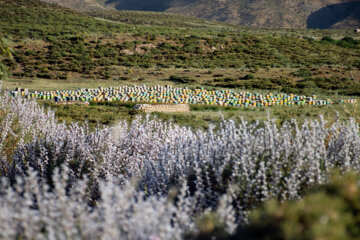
(329, 212)
(348, 42)
(179, 79)
(249, 77)
(5, 53)
(327, 39)
(302, 72)
(306, 84)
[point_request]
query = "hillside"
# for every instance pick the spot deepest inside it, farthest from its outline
(56, 44)
(275, 13)
(82, 5)
(160, 19)
(321, 14)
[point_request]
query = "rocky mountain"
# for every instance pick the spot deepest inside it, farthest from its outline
(82, 5)
(251, 13)
(275, 13)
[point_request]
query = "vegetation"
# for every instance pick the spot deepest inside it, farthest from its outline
(329, 211)
(5, 53)
(346, 42)
(105, 171)
(158, 19)
(81, 5)
(200, 117)
(70, 182)
(78, 46)
(251, 13)
(137, 48)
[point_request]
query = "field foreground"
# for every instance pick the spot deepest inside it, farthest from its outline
(154, 179)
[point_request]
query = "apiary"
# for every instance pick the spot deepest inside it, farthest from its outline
(175, 96)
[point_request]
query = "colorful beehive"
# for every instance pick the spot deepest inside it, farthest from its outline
(167, 94)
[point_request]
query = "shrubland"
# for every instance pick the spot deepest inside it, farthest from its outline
(59, 44)
(155, 180)
(200, 117)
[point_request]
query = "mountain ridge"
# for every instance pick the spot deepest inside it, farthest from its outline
(321, 14)
(275, 13)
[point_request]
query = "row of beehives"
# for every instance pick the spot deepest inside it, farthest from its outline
(170, 95)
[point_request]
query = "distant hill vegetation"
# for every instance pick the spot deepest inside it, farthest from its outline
(82, 5)
(59, 44)
(275, 13)
(251, 13)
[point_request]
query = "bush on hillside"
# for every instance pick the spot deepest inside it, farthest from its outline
(182, 79)
(5, 53)
(302, 72)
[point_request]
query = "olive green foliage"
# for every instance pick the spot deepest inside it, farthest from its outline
(5, 53)
(344, 85)
(200, 117)
(210, 227)
(306, 85)
(38, 20)
(184, 80)
(302, 72)
(346, 42)
(106, 113)
(55, 43)
(331, 211)
(156, 19)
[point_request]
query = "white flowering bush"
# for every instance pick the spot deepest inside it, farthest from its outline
(151, 179)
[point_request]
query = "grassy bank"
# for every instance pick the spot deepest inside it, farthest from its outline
(200, 116)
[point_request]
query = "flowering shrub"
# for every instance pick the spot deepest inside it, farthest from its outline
(152, 179)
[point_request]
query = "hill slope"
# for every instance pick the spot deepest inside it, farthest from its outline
(58, 44)
(251, 13)
(160, 19)
(82, 5)
(275, 13)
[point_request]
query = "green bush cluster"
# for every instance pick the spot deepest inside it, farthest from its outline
(344, 86)
(346, 42)
(325, 85)
(302, 72)
(330, 211)
(183, 79)
(5, 53)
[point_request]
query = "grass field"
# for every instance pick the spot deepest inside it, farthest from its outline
(200, 116)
